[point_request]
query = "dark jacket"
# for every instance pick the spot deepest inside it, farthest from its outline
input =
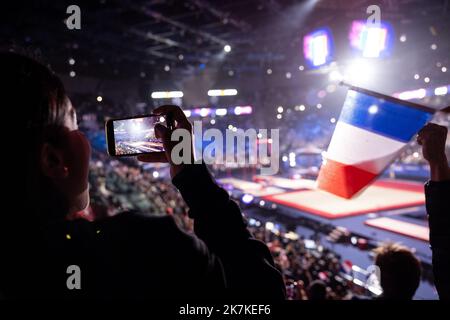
(136, 256)
(438, 209)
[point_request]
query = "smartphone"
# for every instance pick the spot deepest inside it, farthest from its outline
(134, 135)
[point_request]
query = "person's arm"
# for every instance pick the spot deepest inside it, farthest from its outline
(437, 193)
(248, 264)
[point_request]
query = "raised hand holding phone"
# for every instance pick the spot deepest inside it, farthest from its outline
(176, 117)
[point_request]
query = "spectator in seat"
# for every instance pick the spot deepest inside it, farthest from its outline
(129, 255)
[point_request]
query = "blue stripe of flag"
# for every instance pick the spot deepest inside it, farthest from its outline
(389, 119)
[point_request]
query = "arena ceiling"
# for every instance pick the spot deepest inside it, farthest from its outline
(142, 38)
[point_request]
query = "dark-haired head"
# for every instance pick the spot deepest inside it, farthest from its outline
(53, 155)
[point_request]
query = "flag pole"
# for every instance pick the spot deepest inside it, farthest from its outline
(393, 99)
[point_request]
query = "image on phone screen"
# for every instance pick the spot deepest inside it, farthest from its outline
(136, 135)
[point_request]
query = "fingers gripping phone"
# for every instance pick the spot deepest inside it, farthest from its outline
(135, 135)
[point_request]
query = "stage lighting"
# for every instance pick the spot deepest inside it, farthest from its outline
(99, 98)
(433, 46)
(166, 68)
(279, 116)
(269, 71)
(373, 109)
(301, 68)
(333, 120)
(269, 225)
(402, 38)
(155, 174)
(227, 48)
(204, 112)
(317, 47)
(444, 69)
(416, 76)
(212, 121)
(319, 106)
(372, 41)
(280, 109)
(358, 72)
(221, 112)
(335, 76)
(180, 57)
(72, 74)
(247, 198)
(426, 79)
(288, 75)
(441, 91)
(71, 61)
(166, 94)
(222, 92)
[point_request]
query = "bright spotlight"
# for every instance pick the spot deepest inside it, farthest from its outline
(166, 94)
(204, 112)
(373, 109)
(227, 48)
(222, 92)
(71, 61)
(317, 47)
(155, 174)
(238, 110)
(99, 98)
(247, 198)
(269, 226)
(335, 76)
(72, 74)
(413, 94)
(359, 71)
(280, 109)
(440, 91)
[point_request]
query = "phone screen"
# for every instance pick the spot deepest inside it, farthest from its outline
(136, 135)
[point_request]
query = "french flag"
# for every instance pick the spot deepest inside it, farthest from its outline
(371, 132)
